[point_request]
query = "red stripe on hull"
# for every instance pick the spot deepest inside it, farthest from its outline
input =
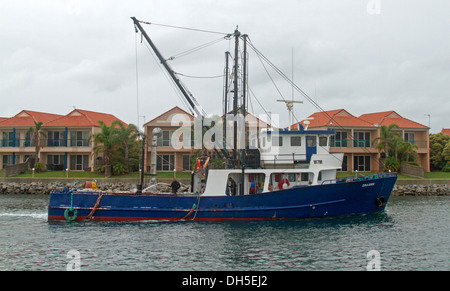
(61, 218)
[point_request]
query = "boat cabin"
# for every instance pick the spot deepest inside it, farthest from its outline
(293, 148)
(289, 158)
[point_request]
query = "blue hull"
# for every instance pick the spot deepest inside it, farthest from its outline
(346, 198)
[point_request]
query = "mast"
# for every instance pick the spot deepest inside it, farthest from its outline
(237, 34)
(225, 96)
(244, 111)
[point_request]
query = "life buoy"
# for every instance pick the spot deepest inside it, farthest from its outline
(70, 214)
(381, 201)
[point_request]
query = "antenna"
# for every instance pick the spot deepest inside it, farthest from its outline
(290, 106)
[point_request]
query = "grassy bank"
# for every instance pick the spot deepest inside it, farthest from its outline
(91, 175)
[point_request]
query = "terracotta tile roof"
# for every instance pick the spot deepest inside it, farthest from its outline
(26, 118)
(338, 117)
(80, 117)
(446, 131)
(176, 108)
(390, 117)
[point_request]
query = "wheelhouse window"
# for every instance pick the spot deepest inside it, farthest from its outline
(311, 141)
(277, 141)
(323, 141)
(296, 141)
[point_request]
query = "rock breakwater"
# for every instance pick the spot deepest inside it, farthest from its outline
(421, 190)
(46, 188)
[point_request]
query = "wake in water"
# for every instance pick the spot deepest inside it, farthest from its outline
(32, 215)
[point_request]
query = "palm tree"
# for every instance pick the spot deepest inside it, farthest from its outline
(37, 132)
(408, 149)
(105, 141)
(126, 137)
(386, 138)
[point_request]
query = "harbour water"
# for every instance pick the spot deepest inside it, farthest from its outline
(412, 234)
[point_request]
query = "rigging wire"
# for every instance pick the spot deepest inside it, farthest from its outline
(261, 57)
(199, 77)
(298, 89)
(195, 49)
(185, 28)
(171, 82)
(137, 79)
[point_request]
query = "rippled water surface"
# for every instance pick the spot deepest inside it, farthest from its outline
(412, 234)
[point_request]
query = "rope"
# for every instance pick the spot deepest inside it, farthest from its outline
(194, 208)
(95, 206)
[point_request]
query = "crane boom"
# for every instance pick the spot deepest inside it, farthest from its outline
(187, 95)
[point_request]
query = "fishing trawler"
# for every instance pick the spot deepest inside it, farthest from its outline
(290, 175)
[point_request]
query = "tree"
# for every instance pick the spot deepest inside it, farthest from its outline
(386, 138)
(437, 144)
(119, 146)
(105, 142)
(446, 152)
(37, 132)
(408, 149)
(126, 139)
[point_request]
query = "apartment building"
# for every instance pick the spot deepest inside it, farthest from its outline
(355, 135)
(65, 143)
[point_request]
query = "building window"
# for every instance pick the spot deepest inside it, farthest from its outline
(409, 136)
(79, 138)
(79, 162)
(56, 139)
(7, 160)
(165, 139)
(8, 139)
(344, 164)
(296, 141)
(361, 163)
(29, 140)
(339, 140)
(165, 162)
(186, 162)
(361, 139)
(55, 162)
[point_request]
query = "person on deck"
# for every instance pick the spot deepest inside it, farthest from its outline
(175, 185)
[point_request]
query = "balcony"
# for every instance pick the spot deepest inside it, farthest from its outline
(45, 143)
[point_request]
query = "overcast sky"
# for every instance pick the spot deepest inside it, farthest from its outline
(361, 55)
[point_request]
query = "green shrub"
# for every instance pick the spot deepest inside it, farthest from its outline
(446, 168)
(392, 164)
(119, 169)
(39, 167)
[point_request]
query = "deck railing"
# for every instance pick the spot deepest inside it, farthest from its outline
(359, 177)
